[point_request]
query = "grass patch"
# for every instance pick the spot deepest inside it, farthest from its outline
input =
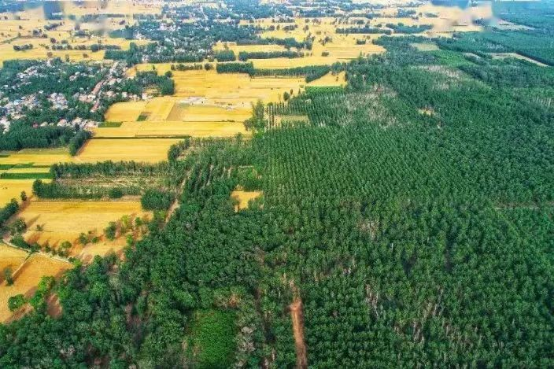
(25, 176)
(451, 58)
(110, 124)
(213, 339)
(142, 117)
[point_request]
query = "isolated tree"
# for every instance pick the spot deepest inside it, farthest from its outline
(8, 277)
(110, 231)
(16, 302)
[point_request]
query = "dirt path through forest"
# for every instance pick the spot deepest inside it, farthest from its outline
(298, 329)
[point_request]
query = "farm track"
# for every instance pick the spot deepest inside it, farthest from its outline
(298, 330)
(175, 205)
(7, 242)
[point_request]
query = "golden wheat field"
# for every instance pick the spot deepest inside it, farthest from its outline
(173, 129)
(53, 222)
(234, 89)
(140, 150)
(37, 156)
(125, 111)
(12, 188)
(26, 279)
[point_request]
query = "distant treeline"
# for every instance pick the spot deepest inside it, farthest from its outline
(244, 56)
(107, 168)
(286, 42)
(311, 73)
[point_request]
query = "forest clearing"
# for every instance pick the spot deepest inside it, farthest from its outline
(243, 198)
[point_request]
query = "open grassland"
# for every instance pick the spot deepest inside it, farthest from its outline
(26, 279)
(54, 222)
(140, 150)
(425, 46)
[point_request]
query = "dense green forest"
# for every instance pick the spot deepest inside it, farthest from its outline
(411, 212)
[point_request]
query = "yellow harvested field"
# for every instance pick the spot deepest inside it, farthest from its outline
(173, 128)
(330, 79)
(158, 108)
(220, 46)
(26, 280)
(11, 258)
(244, 197)
(124, 111)
(37, 156)
(160, 68)
(208, 113)
(238, 90)
(61, 221)
(140, 150)
(12, 188)
(8, 53)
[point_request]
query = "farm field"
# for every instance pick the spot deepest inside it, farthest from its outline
(54, 222)
(140, 150)
(12, 188)
(10, 258)
(173, 129)
(125, 111)
(26, 279)
(233, 89)
(36, 157)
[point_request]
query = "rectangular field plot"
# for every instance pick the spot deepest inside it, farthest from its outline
(234, 89)
(140, 150)
(173, 128)
(12, 188)
(37, 157)
(124, 111)
(54, 222)
(208, 113)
